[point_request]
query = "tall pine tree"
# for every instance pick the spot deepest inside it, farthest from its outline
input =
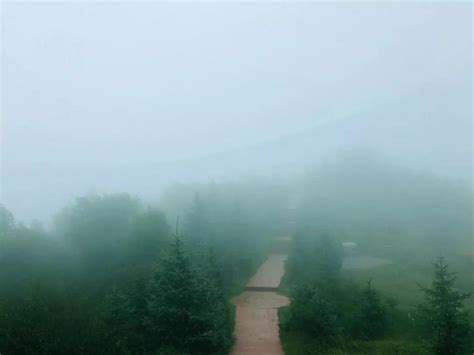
(172, 300)
(445, 320)
(188, 310)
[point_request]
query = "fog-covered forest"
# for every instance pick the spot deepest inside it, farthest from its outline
(120, 275)
(236, 178)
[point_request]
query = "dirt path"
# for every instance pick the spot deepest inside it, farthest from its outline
(270, 273)
(256, 324)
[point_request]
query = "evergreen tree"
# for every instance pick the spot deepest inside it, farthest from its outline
(212, 271)
(218, 307)
(237, 231)
(186, 311)
(124, 311)
(313, 312)
(445, 320)
(172, 300)
(372, 318)
(197, 226)
(7, 222)
(328, 257)
(150, 235)
(313, 259)
(300, 256)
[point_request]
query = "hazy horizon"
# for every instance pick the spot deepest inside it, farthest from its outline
(137, 96)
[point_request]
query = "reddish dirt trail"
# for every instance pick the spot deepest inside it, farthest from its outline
(256, 326)
(270, 273)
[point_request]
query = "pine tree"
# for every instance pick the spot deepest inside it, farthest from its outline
(124, 310)
(218, 308)
(299, 264)
(445, 320)
(313, 312)
(328, 257)
(197, 226)
(371, 318)
(173, 300)
(212, 271)
(188, 311)
(7, 222)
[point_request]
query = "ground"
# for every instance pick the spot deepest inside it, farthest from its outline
(256, 326)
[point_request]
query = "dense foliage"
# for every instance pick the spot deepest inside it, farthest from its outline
(111, 278)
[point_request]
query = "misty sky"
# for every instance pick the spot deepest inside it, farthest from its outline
(135, 96)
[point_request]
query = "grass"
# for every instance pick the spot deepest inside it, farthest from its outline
(300, 344)
(399, 281)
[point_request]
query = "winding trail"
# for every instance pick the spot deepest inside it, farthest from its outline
(256, 324)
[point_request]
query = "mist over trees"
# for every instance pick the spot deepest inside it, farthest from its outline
(120, 275)
(112, 275)
(381, 206)
(210, 178)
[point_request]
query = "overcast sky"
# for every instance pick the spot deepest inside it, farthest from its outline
(92, 91)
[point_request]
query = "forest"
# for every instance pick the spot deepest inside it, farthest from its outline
(114, 274)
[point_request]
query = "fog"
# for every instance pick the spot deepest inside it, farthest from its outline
(107, 97)
(208, 178)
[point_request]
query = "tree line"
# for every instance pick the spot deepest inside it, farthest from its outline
(114, 275)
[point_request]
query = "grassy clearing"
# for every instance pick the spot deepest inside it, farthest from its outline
(401, 281)
(301, 344)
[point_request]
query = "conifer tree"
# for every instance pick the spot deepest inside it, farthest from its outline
(188, 310)
(445, 320)
(197, 226)
(172, 300)
(371, 320)
(218, 308)
(328, 257)
(311, 311)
